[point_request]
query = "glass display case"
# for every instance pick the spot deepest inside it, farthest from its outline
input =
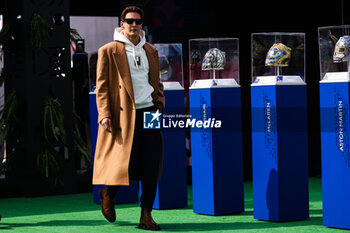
(214, 62)
(172, 190)
(279, 127)
(170, 62)
(278, 58)
(215, 97)
(334, 45)
(334, 42)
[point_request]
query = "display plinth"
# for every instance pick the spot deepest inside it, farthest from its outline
(280, 152)
(126, 194)
(334, 103)
(172, 186)
(217, 161)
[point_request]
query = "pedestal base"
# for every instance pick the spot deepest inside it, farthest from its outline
(217, 163)
(280, 152)
(334, 103)
(172, 186)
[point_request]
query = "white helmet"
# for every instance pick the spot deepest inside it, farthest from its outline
(342, 50)
(214, 59)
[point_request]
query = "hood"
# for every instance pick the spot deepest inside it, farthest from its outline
(119, 36)
(132, 50)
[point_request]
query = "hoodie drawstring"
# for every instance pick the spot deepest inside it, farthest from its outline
(139, 61)
(134, 56)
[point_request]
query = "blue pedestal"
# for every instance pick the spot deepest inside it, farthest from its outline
(334, 102)
(217, 163)
(280, 152)
(126, 194)
(172, 186)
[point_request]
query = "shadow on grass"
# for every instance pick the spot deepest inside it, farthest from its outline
(174, 227)
(219, 226)
(16, 207)
(54, 223)
(62, 223)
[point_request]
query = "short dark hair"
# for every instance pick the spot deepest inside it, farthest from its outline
(132, 9)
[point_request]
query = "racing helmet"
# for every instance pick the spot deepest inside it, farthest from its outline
(278, 55)
(214, 59)
(341, 50)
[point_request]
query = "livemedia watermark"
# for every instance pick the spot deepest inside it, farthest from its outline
(157, 120)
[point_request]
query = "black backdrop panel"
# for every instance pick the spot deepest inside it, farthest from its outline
(36, 73)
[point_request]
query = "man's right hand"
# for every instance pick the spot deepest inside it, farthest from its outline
(107, 124)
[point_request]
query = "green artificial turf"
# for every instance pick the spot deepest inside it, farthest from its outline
(77, 213)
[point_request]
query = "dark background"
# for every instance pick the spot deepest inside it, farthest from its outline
(180, 20)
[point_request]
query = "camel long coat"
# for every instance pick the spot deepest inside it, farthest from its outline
(115, 99)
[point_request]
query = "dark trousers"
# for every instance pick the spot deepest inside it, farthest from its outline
(144, 160)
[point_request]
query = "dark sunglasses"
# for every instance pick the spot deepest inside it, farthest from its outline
(131, 21)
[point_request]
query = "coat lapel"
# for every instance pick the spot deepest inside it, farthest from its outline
(151, 56)
(121, 62)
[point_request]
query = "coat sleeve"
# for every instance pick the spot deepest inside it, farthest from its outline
(102, 86)
(160, 94)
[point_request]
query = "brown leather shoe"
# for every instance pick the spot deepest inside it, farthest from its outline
(147, 222)
(107, 206)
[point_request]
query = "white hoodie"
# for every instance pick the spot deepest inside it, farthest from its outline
(139, 69)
